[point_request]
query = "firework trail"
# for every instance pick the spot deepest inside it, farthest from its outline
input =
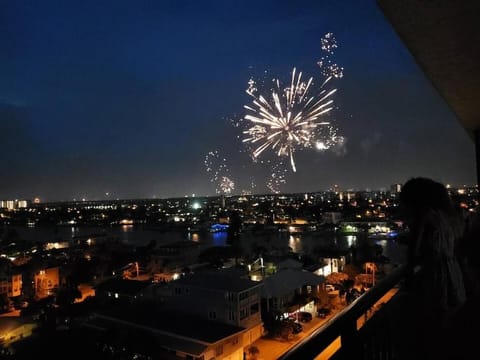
(218, 168)
(287, 119)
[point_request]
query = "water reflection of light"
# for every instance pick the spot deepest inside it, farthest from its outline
(56, 245)
(351, 239)
(295, 243)
(219, 238)
(383, 243)
(194, 237)
(127, 228)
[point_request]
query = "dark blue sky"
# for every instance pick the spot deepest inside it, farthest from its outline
(127, 97)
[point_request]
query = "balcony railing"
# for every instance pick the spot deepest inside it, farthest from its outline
(356, 332)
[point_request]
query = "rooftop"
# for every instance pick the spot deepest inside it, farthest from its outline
(220, 280)
(130, 287)
(284, 281)
(172, 329)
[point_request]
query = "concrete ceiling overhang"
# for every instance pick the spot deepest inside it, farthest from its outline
(444, 38)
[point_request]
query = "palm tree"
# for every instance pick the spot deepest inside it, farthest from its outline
(253, 352)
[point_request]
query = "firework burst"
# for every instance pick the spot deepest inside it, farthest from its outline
(328, 44)
(277, 178)
(288, 119)
(217, 166)
(226, 185)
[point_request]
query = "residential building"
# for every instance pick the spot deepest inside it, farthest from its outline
(330, 265)
(46, 281)
(222, 296)
(290, 290)
(121, 290)
(172, 335)
(11, 284)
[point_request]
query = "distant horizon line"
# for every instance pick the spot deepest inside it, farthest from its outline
(193, 196)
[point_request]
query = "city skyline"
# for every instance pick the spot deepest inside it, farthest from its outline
(16, 203)
(120, 100)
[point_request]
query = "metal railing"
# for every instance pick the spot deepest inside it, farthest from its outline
(356, 332)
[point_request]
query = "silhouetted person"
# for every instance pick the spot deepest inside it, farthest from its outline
(434, 289)
(462, 331)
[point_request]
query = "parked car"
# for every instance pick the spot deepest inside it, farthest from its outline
(297, 328)
(304, 316)
(294, 327)
(21, 304)
(323, 312)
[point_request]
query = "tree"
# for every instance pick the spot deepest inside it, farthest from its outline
(4, 303)
(286, 329)
(67, 295)
(253, 352)
(233, 234)
(336, 277)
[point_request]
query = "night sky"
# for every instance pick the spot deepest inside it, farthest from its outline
(123, 99)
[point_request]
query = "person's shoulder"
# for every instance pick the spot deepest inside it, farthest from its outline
(444, 221)
(433, 217)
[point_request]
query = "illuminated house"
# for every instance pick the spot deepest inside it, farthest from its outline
(290, 290)
(120, 290)
(11, 285)
(206, 315)
(330, 265)
(46, 281)
(331, 217)
(220, 296)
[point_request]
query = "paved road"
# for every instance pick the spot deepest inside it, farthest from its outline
(271, 349)
(86, 290)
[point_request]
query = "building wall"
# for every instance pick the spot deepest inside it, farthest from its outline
(227, 349)
(240, 309)
(46, 280)
(252, 335)
(249, 313)
(11, 285)
(13, 204)
(332, 217)
(331, 265)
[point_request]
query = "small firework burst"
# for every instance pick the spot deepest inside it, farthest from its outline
(226, 185)
(328, 138)
(277, 178)
(328, 44)
(217, 166)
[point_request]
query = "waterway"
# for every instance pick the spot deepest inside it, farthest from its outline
(252, 242)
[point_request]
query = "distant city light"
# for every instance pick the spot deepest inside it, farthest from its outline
(196, 206)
